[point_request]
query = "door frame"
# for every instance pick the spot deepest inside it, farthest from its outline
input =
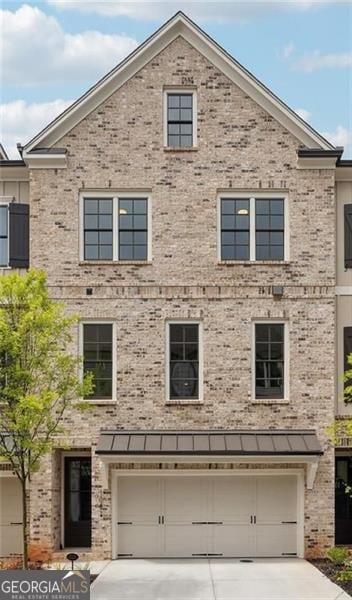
(117, 473)
(67, 454)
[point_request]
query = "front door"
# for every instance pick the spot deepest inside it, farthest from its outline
(78, 494)
(343, 501)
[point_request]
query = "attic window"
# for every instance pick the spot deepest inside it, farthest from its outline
(180, 121)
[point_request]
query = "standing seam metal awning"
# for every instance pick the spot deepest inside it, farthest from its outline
(209, 443)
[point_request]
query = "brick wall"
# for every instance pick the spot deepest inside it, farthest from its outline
(120, 147)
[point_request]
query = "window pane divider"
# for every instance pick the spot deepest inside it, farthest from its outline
(252, 229)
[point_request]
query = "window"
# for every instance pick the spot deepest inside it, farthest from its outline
(98, 358)
(183, 361)
(269, 229)
(133, 232)
(179, 120)
(116, 228)
(235, 229)
(4, 235)
(252, 228)
(269, 360)
(98, 222)
(348, 235)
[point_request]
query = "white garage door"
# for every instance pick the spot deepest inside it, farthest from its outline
(10, 516)
(207, 516)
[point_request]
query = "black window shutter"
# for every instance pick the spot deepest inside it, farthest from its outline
(347, 350)
(348, 236)
(19, 235)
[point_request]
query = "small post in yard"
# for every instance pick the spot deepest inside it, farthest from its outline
(72, 556)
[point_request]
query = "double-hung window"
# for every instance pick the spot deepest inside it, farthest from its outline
(253, 228)
(180, 119)
(184, 369)
(270, 362)
(98, 358)
(116, 228)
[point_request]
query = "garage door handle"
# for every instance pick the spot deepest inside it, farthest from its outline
(199, 522)
(215, 522)
(16, 523)
(289, 522)
(124, 523)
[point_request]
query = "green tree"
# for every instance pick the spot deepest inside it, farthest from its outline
(39, 377)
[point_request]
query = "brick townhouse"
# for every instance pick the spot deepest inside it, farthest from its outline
(202, 231)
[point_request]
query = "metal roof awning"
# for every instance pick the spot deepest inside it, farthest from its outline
(211, 446)
(209, 443)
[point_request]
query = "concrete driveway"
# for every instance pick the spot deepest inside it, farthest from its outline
(222, 579)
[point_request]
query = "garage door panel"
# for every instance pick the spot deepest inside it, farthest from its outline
(185, 499)
(139, 540)
(276, 499)
(276, 540)
(10, 516)
(185, 540)
(232, 499)
(10, 539)
(233, 540)
(139, 499)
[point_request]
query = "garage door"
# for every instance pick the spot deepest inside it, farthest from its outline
(207, 516)
(10, 516)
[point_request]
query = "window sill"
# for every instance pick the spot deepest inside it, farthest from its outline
(184, 402)
(190, 149)
(139, 263)
(273, 263)
(270, 401)
(101, 402)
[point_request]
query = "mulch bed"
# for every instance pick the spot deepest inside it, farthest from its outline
(330, 570)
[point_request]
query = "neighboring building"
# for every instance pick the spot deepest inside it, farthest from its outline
(191, 219)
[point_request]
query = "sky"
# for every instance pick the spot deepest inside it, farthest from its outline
(52, 51)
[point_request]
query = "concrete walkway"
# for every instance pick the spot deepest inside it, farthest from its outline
(222, 579)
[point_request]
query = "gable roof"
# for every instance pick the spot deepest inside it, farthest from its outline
(178, 25)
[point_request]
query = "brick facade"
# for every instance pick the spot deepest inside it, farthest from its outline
(240, 147)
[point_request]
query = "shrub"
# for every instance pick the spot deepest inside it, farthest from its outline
(338, 555)
(11, 564)
(346, 574)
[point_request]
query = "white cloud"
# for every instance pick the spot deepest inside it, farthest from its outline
(20, 121)
(28, 33)
(287, 50)
(303, 113)
(222, 11)
(316, 60)
(340, 137)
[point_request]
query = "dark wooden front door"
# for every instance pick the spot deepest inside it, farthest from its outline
(343, 501)
(78, 501)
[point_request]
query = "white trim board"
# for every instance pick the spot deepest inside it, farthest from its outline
(178, 25)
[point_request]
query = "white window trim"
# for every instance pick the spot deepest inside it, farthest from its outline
(113, 399)
(252, 196)
(115, 196)
(181, 90)
(6, 201)
(286, 397)
(198, 400)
